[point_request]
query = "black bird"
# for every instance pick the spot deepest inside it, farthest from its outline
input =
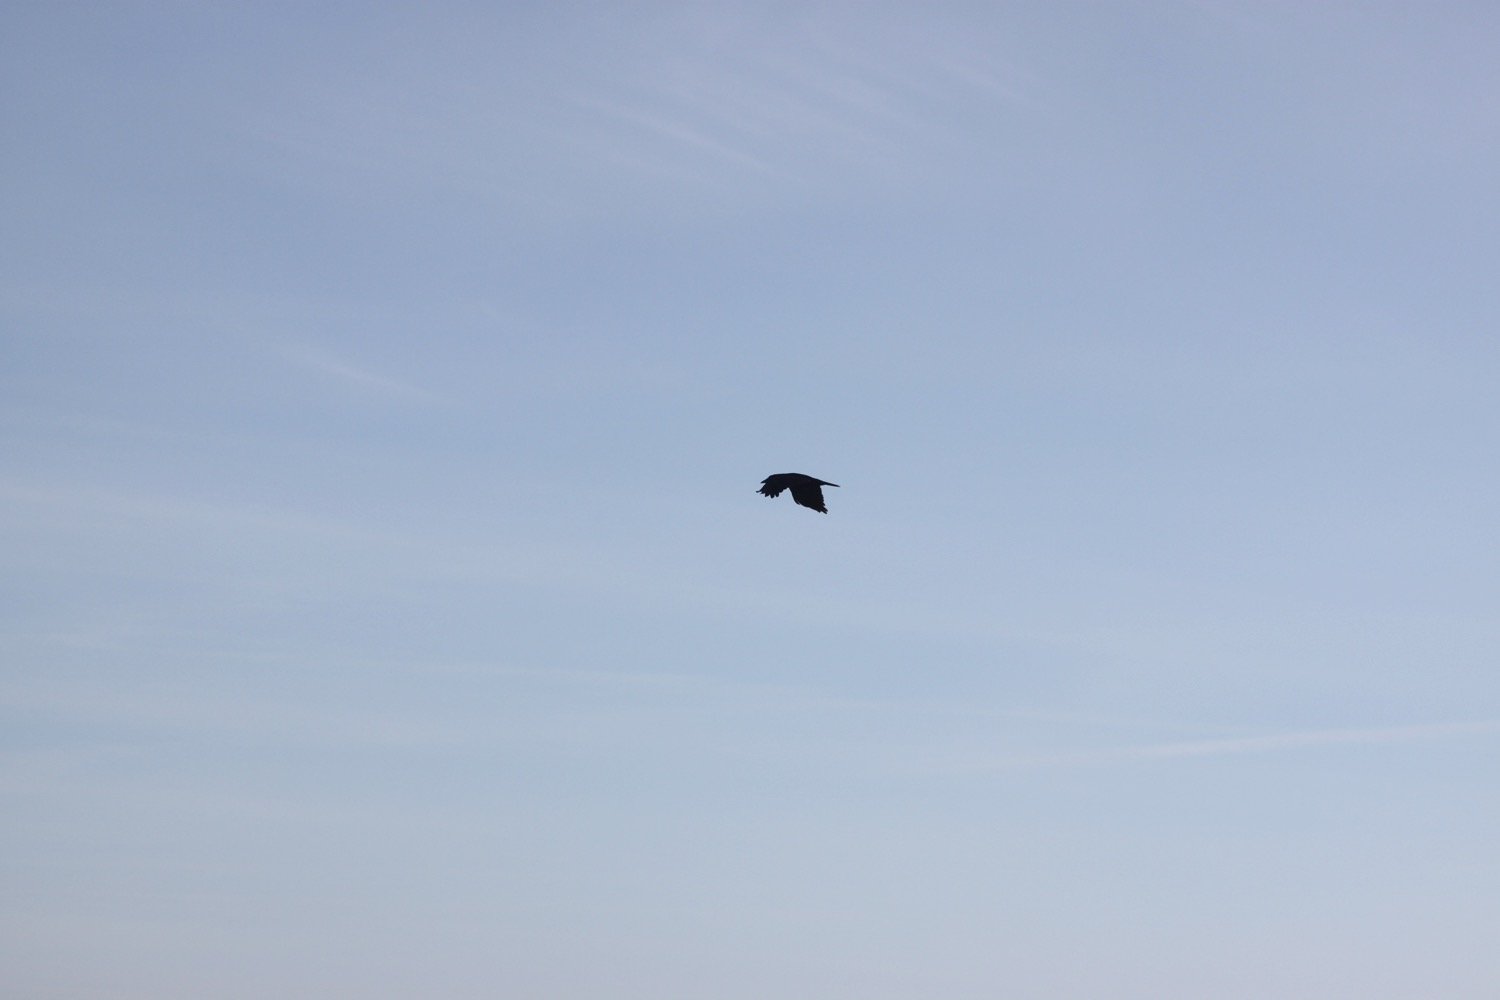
(806, 490)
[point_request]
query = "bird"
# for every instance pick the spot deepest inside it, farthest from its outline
(806, 490)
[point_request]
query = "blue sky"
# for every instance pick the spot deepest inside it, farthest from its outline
(389, 611)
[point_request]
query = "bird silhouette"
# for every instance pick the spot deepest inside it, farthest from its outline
(806, 490)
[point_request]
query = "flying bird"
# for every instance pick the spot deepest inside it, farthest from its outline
(806, 490)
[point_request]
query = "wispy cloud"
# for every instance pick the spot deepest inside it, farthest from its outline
(107, 507)
(1237, 745)
(803, 111)
(321, 361)
(676, 131)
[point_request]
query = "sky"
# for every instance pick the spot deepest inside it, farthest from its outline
(388, 610)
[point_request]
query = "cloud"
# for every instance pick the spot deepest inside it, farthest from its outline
(1229, 746)
(81, 506)
(320, 361)
(676, 131)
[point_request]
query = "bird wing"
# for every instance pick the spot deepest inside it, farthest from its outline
(809, 494)
(772, 486)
